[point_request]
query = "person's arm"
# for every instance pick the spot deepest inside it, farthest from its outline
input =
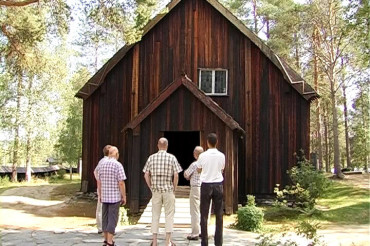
(122, 188)
(96, 175)
(175, 180)
(99, 189)
(148, 180)
(188, 172)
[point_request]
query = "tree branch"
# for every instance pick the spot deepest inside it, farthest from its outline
(17, 4)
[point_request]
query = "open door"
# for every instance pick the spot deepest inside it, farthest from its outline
(181, 145)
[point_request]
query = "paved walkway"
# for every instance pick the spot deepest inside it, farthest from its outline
(130, 235)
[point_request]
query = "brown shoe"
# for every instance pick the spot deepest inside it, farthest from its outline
(190, 237)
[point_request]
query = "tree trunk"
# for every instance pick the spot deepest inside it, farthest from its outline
(296, 47)
(29, 132)
(318, 115)
(254, 3)
(16, 134)
(348, 149)
(326, 137)
(267, 21)
(337, 166)
(365, 114)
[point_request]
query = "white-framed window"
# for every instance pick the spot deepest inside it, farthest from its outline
(213, 81)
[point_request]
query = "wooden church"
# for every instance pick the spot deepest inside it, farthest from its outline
(197, 69)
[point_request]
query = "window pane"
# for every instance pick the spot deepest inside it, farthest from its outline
(206, 81)
(220, 82)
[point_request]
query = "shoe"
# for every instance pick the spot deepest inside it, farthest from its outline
(190, 237)
(200, 235)
(100, 232)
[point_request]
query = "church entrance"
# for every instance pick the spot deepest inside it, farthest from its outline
(182, 144)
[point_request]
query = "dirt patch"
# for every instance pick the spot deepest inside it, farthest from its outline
(51, 206)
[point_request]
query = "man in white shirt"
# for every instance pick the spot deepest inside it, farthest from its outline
(211, 165)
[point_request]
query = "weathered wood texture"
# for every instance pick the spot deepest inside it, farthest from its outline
(195, 35)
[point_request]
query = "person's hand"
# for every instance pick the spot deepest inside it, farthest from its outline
(123, 200)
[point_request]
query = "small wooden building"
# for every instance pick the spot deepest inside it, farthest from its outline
(197, 69)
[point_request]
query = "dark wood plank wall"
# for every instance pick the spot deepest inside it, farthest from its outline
(194, 35)
(184, 112)
(279, 126)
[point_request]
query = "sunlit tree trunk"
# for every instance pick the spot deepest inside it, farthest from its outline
(17, 129)
(346, 128)
(326, 137)
(29, 131)
(318, 115)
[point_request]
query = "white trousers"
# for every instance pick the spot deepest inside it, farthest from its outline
(167, 199)
(194, 199)
(99, 216)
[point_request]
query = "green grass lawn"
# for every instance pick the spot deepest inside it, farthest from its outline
(6, 184)
(342, 205)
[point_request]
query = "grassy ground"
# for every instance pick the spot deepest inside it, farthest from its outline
(5, 184)
(344, 204)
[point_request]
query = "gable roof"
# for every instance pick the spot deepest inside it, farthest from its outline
(295, 80)
(190, 86)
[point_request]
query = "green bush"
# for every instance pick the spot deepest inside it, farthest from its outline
(309, 178)
(61, 173)
(123, 217)
(308, 185)
(4, 181)
(249, 218)
(308, 229)
(269, 240)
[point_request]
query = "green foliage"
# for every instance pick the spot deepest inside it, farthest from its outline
(308, 185)
(308, 229)
(360, 126)
(304, 174)
(61, 173)
(123, 216)
(4, 181)
(251, 200)
(69, 145)
(250, 217)
(297, 196)
(269, 240)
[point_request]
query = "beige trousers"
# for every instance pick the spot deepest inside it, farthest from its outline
(99, 216)
(167, 199)
(194, 199)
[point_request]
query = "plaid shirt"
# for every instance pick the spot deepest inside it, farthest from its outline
(193, 174)
(162, 167)
(110, 173)
(102, 160)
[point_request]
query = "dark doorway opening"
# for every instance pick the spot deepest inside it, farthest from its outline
(182, 144)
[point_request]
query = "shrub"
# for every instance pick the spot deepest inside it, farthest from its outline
(309, 179)
(308, 185)
(249, 218)
(308, 229)
(4, 181)
(61, 173)
(296, 195)
(123, 218)
(269, 240)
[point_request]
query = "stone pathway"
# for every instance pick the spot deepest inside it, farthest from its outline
(130, 236)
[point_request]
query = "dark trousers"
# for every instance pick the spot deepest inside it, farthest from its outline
(110, 214)
(214, 192)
